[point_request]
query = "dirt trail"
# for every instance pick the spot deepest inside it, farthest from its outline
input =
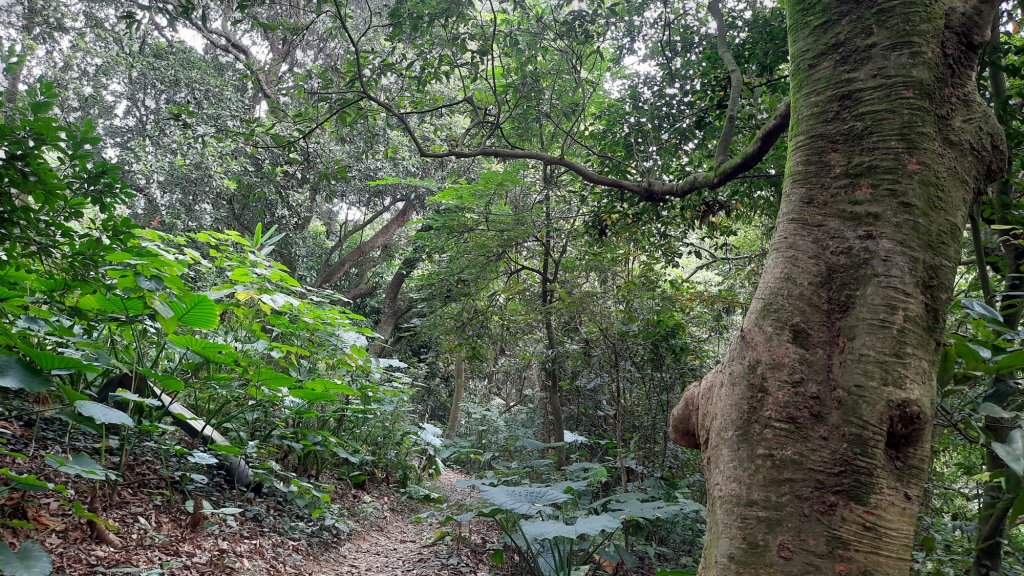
(391, 544)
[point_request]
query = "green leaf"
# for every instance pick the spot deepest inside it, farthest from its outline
(628, 506)
(30, 483)
(537, 529)
(29, 560)
(162, 308)
(1010, 362)
(56, 363)
(323, 385)
(973, 359)
(164, 383)
(1012, 452)
(129, 396)
(979, 309)
(82, 512)
(102, 413)
(114, 305)
(990, 409)
(80, 465)
(196, 311)
(72, 395)
(226, 449)
(313, 395)
(947, 366)
(527, 500)
(271, 378)
(212, 351)
(17, 374)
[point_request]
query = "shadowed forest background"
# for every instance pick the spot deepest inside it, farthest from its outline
(268, 267)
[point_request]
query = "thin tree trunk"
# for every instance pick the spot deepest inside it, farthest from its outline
(28, 30)
(547, 296)
(815, 429)
(460, 388)
(995, 502)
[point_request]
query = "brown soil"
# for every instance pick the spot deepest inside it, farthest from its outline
(393, 544)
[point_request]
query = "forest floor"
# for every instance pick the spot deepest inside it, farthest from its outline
(381, 533)
(391, 543)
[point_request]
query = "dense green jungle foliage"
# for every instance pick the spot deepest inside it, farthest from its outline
(232, 205)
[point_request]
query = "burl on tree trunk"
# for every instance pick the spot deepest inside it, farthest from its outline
(815, 430)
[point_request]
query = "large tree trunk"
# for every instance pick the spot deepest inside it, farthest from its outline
(815, 430)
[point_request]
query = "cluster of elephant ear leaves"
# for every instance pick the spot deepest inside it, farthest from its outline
(558, 527)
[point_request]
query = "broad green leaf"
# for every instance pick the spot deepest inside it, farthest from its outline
(17, 374)
(979, 309)
(990, 409)
(1010, 362)
(56, 363)
(200, 457)
(162, 308)
(29, 560)
(72, 395)
(30, 483)
(80, 464)
(113, 304)
(527, 500)
(973, 360)
(102, 413)
(128, 396)
(633, 508)
(323, 385)
(165, 383)
(537, 529)
(497, 557)
(313, 395)
(271, 378)
(196, 311)
(212, 351)
(1012, 452)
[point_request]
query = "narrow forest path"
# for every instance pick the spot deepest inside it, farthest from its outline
(393, 544)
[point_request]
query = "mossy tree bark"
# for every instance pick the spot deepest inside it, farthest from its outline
(815, 430)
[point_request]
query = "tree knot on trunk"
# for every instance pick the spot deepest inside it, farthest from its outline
(907, 422)
(684, 423)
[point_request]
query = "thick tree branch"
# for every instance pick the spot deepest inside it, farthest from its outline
(381, 237)
(649, 190)
(393, 309)
(735, 84)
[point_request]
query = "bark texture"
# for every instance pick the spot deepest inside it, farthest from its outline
(460, 389)
(375, 242)
(815, 430)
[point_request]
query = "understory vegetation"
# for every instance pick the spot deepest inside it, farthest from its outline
(240, 267)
